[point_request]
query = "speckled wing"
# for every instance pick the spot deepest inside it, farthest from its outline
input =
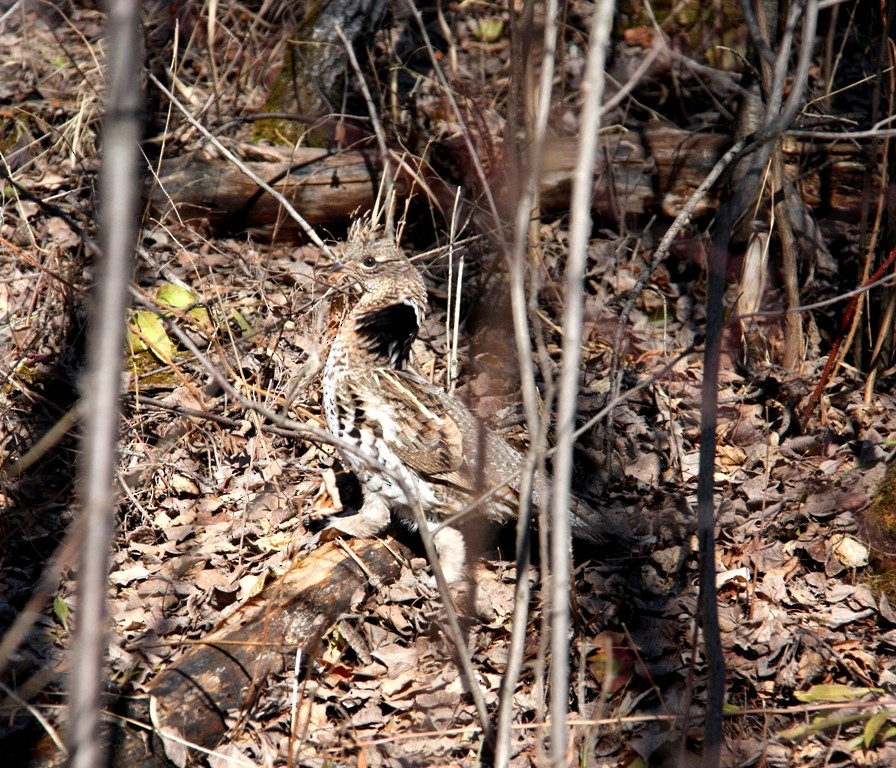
(407, 414)
(430, 440)
(445, 441)
(490, 461)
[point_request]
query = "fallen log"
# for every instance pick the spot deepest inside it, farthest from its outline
(224, 673)
(637, 174)
(326, 188)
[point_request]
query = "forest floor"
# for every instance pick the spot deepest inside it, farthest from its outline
(214, 505)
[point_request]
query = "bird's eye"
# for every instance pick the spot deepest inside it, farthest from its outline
(369, 262)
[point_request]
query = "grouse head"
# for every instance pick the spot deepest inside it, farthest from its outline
(383, 271)
(385, 321)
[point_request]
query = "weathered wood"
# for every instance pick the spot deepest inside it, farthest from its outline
(190, 699)
(324, 187)
(828, 175)
(683, 160)
(224, 674)
(636, 175)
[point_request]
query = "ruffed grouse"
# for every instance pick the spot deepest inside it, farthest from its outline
(414, 444)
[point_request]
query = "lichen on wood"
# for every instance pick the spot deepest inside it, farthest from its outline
(314, 76)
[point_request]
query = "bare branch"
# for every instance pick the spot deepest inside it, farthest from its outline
(537, 429)
(568, 388)
(119, 214)
(388, 173)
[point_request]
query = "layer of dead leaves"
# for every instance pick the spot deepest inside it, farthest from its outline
(215, 503)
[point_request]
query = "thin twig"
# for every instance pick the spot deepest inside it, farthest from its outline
(777, 122)
(537, 426)
(388, 174)
(756, 33)
(452, 326)
(37, 715)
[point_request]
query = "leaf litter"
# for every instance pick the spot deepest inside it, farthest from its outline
(213, 509)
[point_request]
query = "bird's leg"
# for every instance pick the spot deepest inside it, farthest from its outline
(371, 520)
(452, 551)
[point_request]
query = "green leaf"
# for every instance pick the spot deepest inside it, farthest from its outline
(136, 345)
(176, 296)
(60, 609)
(201, 316)
(147, 327)
(490, 30)
(873, 726)
(819, 725)
(803, 730)
(181, 297)
(241, 321)
(833, 692)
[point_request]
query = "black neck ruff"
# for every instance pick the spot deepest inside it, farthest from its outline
(388, 332)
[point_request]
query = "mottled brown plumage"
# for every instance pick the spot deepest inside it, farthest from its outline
(415, 445)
